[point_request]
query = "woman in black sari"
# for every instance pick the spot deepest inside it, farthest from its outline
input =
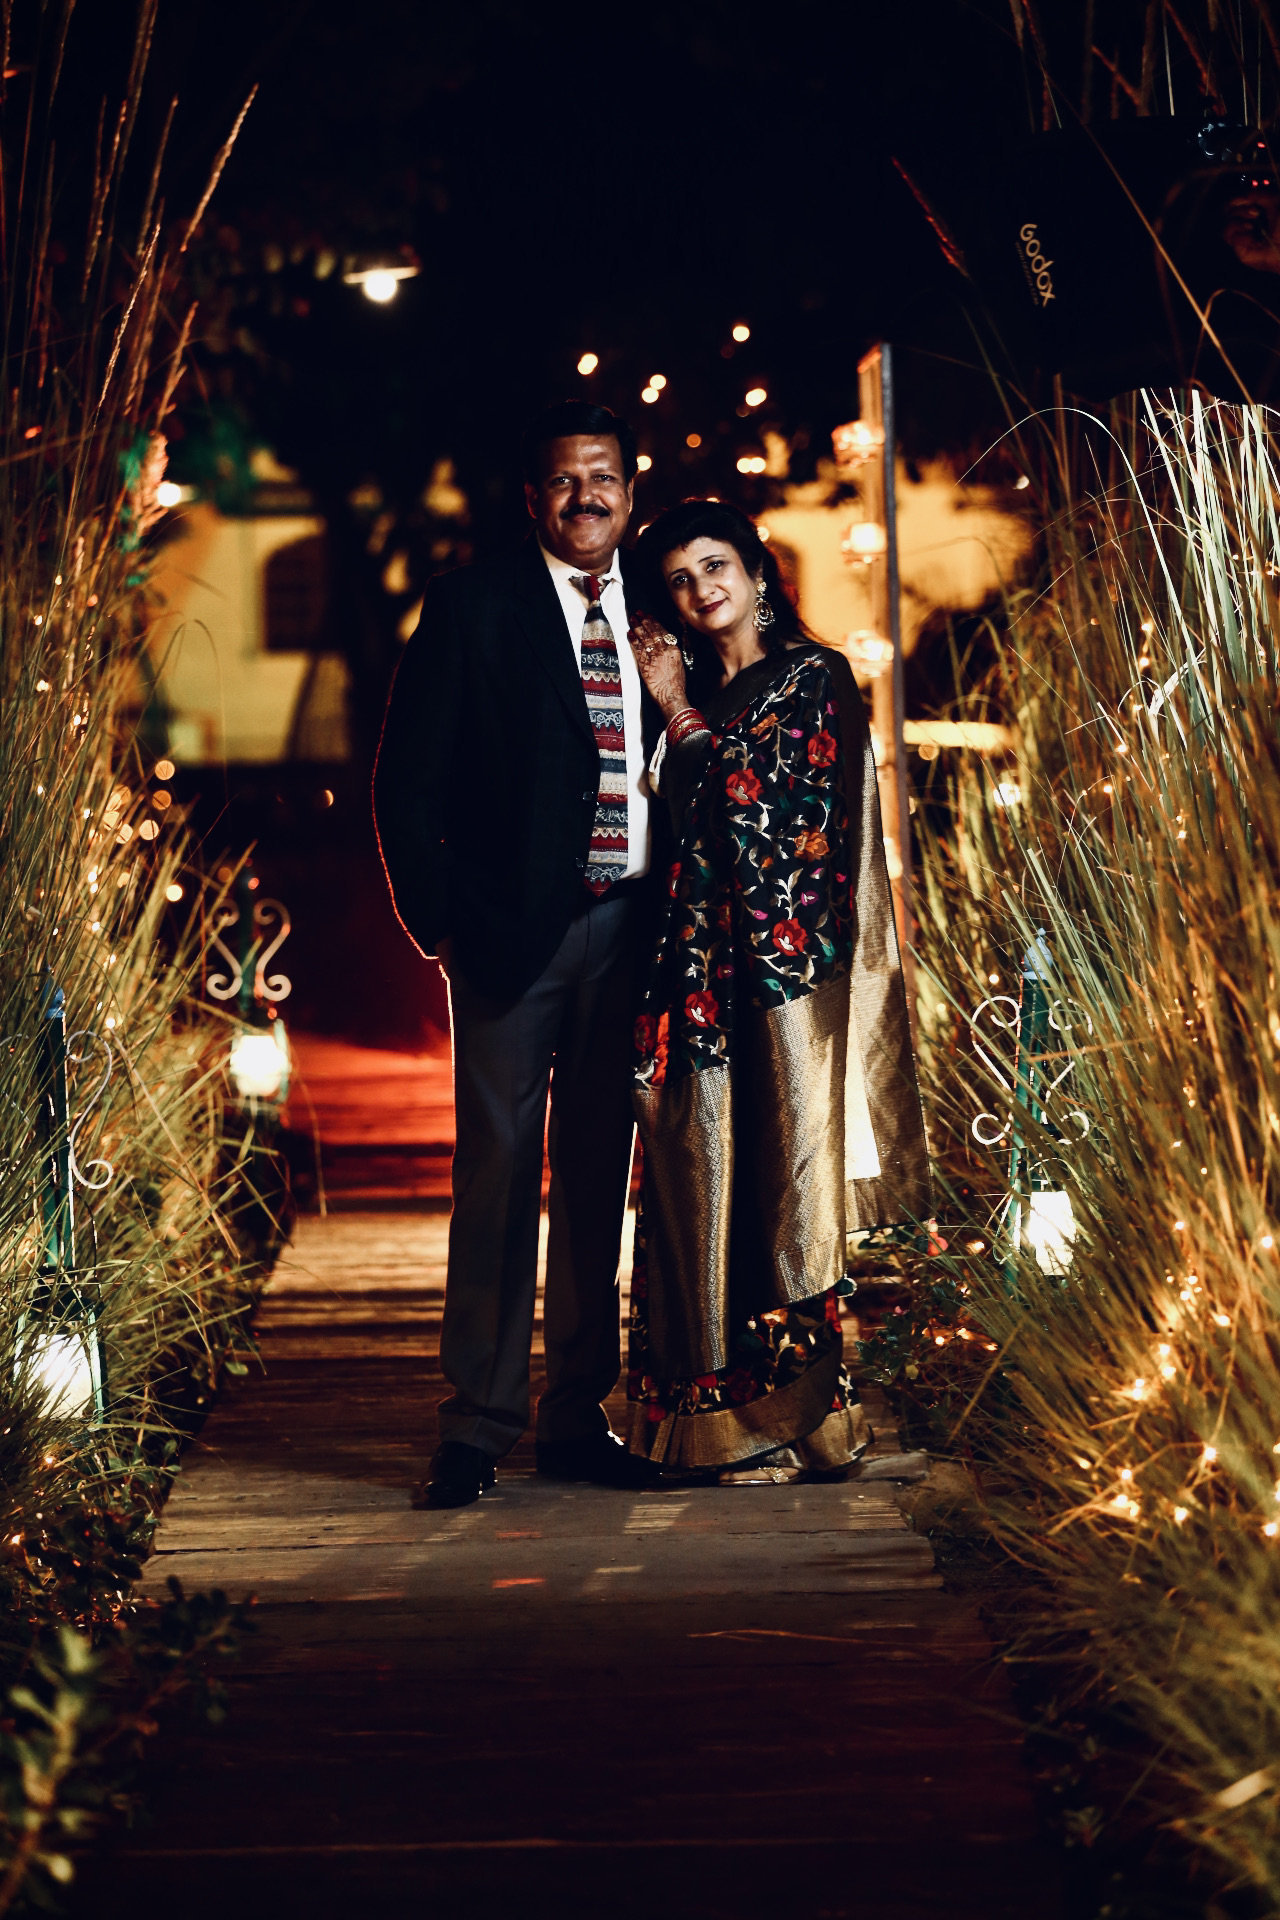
(775, 1086)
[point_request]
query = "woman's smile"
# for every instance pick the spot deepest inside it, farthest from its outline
(712, 589)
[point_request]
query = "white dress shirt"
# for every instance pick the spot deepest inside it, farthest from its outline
(614, 607)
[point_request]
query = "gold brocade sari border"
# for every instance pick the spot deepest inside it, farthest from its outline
(787, 1415)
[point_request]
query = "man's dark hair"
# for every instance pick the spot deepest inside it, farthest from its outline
(571, 417)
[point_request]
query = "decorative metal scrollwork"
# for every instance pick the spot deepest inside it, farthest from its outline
(93, 1175)
(983, 1124)
(272, 926)
(102, 1171)
(1003, 1013)
(1057, 1009)
(224, 986)
(265, 912)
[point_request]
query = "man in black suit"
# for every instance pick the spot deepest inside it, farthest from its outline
(513, 816)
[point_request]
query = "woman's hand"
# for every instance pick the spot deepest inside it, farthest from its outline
(657, 654)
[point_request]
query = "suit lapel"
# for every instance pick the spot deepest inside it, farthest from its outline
(541, 619)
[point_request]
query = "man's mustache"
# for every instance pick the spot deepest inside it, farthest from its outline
(597, 513)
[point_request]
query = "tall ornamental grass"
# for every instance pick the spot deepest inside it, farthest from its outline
(98, 902)
(1139, 1441)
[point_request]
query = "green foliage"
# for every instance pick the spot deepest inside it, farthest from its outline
(76, 1722)
(923, 1343)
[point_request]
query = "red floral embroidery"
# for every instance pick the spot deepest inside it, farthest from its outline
(740, 1386)
(673, 880)
(660, 1050)
(702, 1009)
(790, 937)
(822, 749)
(646, 1033)
(742, 786)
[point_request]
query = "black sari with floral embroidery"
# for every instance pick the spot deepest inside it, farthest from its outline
(775, 1091)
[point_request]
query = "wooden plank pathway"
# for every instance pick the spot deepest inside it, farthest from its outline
(564, 1700)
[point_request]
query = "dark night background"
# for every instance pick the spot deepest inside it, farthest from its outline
(632, 181)
(629, 181)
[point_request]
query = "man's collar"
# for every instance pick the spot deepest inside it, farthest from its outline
(561, 569)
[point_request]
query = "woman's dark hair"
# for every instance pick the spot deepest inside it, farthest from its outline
(716, 520)
(568, 417)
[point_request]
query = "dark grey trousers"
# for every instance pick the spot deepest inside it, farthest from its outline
(572, 1030)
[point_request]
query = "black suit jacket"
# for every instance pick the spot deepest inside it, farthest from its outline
(486, 777)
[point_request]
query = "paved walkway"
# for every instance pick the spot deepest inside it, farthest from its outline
(703, 1702)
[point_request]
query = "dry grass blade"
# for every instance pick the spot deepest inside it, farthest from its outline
(89, 866)
(1143, 1455)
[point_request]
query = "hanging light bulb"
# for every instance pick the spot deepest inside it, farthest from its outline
(1049, 1229)
(378, 276)
(260, 1062)
(64, 1363)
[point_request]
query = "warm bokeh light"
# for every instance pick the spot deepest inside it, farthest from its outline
(149, 829)
(380, 285)
(741, 332)
(169, 494)
(856, 441)
(165, 769)
(379, 279)
(643, 462)
(693, 440)
(588, 363)
(649, 395)
(260, 1062)
(865, 541)
(173, 891)
(751, 463)
(756, 396)
(658, 380)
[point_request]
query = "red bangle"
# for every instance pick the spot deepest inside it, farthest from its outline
(682, 724)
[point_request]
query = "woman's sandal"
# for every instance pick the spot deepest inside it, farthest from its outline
(774, 1469)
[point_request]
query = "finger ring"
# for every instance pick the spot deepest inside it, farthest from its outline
(648, 652)
(667, 641)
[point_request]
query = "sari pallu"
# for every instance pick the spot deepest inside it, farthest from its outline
(775, 1091)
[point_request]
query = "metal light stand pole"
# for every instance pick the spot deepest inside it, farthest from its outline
(888, 699)
(58, 1200)
(1033, 1034)
(63, 1301)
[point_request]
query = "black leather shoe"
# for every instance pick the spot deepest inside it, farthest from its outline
(458, 1475)
(603, 1462)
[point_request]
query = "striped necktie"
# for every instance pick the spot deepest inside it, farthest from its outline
(602, 684)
